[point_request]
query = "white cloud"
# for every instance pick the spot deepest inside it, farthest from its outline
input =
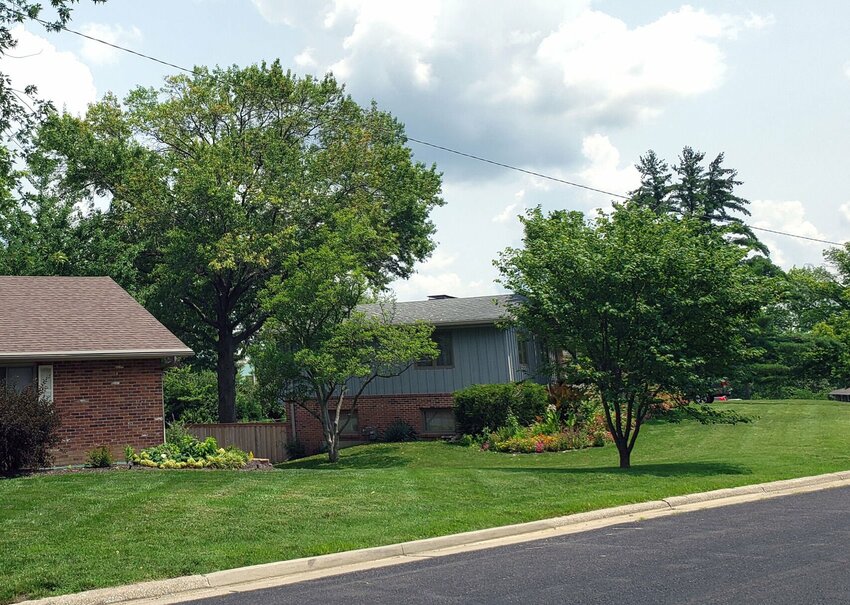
(531, 73)
(505, 215)
(101, 54)
(435, 276)
(59, 75)
(305, 59)
(844, 209)
(603, 169)
(788, 217)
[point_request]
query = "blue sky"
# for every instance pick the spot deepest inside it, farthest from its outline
(574, 89)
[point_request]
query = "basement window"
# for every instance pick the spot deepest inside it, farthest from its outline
(438, 420)
(348, 424)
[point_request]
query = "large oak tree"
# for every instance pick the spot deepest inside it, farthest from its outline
(224, 176)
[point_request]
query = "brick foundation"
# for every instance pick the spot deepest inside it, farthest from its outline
(111, 403)
(374, 414)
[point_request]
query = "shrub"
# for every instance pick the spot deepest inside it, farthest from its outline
(99, 457)
(190, 395)
(483, 406)
(28, 430)
(399, 430)
(703, 414)
(296, 449)
(183, 450)
(547, 435)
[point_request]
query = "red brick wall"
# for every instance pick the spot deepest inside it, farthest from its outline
(112, 403)
(373, 411)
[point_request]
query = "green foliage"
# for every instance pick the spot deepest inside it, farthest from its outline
(639, 303)
(548, 435)
(706, 194)
(399, 430)
(490, 406)
(99, 457)
(225, 177)
(184, 450)
(703, 414)
(28, 430)
(318, 347)
(190, 395)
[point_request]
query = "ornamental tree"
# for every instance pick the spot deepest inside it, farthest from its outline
(319, 351)
(635, 304)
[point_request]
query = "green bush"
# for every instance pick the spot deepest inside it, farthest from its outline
(483, 406)
(296, 449)
(28, 430)
(190, 395)
(703, 414)
(547, 435)
(399, 430)
(183, 450)
(99, 457)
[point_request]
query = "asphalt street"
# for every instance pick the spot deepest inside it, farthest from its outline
(792, 549)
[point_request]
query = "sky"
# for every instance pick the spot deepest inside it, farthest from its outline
(577, 89)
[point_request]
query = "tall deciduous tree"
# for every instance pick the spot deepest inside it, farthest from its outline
(226, 175)
(319, 351)
(640, 303)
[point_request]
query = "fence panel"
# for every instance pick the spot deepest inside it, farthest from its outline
(265, 439)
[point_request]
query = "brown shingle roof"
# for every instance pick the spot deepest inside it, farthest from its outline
(78, 317)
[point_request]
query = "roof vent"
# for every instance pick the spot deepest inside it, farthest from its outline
(439, 296)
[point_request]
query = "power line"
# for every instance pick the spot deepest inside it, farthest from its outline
(412, 139)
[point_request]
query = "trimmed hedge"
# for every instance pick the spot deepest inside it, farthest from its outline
(483, 406)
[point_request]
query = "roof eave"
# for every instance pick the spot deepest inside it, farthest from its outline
(94, 355)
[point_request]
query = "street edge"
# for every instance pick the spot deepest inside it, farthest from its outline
(281, 570)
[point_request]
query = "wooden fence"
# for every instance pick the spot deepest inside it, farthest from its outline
(265, 439)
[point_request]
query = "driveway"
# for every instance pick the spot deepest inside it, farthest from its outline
(792, 549)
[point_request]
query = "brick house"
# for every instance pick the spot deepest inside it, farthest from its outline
(97, 354)
(474, 349)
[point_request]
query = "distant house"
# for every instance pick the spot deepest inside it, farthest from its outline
(473, 350)
(97, 354)
(840, 395)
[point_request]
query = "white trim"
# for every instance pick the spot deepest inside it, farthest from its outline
(44, 376)
(105, 354)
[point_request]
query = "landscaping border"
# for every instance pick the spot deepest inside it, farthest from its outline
(282, 572)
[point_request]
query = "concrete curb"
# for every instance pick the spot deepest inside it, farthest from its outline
(284, 569)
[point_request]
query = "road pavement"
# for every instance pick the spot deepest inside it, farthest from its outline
(787, 550)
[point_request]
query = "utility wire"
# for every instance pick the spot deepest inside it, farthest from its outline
(412, 139)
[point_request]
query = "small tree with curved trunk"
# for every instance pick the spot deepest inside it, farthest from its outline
(319, 352)
(635, 303)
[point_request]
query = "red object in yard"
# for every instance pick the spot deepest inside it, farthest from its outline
(721, 398)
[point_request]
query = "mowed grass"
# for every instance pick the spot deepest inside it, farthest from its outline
(72, 532)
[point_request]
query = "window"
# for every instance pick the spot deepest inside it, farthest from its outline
(17, 377)
(438, 420)
(445, 359)
(348, 424)
(522, 348)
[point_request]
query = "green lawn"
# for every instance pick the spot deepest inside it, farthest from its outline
(72, 532)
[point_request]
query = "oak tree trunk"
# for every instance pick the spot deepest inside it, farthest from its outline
(226, 371)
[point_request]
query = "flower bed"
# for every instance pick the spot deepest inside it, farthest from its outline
(549, 434)
(183, 450)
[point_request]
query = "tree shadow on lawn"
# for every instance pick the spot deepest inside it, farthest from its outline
(673, 469)
(370, 458)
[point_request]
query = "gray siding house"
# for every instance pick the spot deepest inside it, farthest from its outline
(474, 349)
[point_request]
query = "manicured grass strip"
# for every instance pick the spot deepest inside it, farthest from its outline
(66, 533)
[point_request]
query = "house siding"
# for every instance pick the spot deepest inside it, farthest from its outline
(480, 356)
(111, 403)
